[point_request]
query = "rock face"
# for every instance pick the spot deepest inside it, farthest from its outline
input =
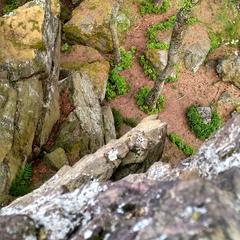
(160, 204)
(90, 24)
(83, 131)
(229, 70)
(29, 68)
(90, 62)
(57, 159)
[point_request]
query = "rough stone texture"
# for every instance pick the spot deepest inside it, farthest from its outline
(160, 204)
(196, 46)
(218, 154)
(108, 122)
(90, 62)
(28, 82)
(159, 57)
(139, 144)
(90, 24)
(83, 130)
(17, 227)
(229, 69)
(205, 113)
(57, 159)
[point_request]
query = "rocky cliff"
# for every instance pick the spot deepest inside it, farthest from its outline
(112, 176)
(199, 198)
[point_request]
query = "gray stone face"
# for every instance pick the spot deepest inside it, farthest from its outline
(205, 113)
(17, 227)
(83, 130)
(57, 159)
(194, 57)
(229, 69)
(199, 199)
(29, 97)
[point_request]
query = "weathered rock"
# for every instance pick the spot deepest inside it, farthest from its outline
(17, 227)
(195, 56)
(159, 57)
(28, 80)
(229, 69)
(155, 205)
(89, 62)
(140, 143)
(83, 131)
(90, 24)
(205, 113)
(218, 154)
(196, 46)
(57, 159)
(108, 122)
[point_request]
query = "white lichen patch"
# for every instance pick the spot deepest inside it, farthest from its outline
(87, 234)
(141, 224)
(59, 214)
(112, 155)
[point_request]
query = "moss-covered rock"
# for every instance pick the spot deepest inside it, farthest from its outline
(88, 61)
(229, 70)
(90, 24)
(29, 66)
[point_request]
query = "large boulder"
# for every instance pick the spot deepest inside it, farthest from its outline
(229, 69)
(29, 68)
(83, 130)
(160, 204)
(89, 24)
(90, 62)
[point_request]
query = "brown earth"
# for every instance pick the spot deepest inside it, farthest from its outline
(201, 88)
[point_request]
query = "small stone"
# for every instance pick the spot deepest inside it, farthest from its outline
(205, 113)
(57, 158)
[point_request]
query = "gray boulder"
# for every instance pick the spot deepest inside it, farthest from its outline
(229, 69)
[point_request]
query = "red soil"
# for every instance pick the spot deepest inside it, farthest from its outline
(199, 88)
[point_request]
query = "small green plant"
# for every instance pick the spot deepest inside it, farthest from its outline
(161, 26)
(140, 98)
(148, 68)
(148, 7)
(117, 85)
(196, 124)
(158, 45)
(20, 185)
(192, 20)
(176, 140)
(131, 122)
(118, 119)
(215, 40)
(65, 47)
(151, 72)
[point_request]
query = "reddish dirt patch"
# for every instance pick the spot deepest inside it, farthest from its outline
(201, 88)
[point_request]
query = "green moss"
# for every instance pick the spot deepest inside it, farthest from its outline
(140, 98)
(151, 72)
(148, 7)
(72, 32)
(176, 140)
(196, 124)
(39, 46)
